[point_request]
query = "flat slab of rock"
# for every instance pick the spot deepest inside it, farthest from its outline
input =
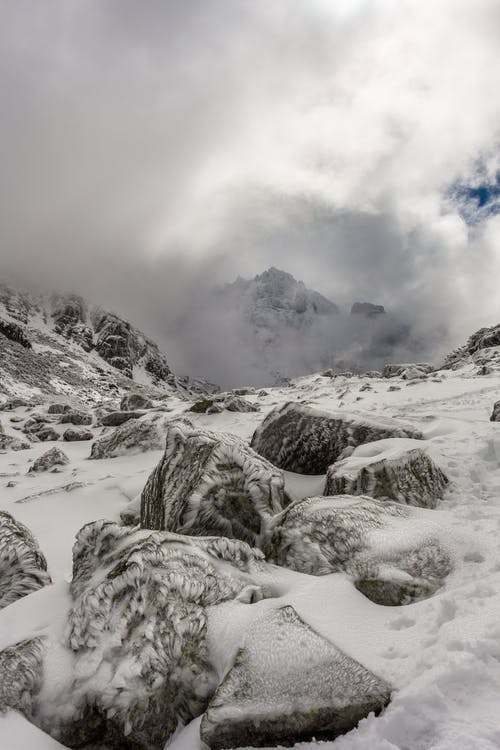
(210, 483)
(116, 418)
(304, 440)
(289, 684)
(404, 475)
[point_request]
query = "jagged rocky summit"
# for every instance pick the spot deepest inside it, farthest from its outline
(482, 349)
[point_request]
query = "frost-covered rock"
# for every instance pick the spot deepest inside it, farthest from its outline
(134, 436)
(58, 408)
(132, 401)
(323, 535)
(495, 414)
(304, 440)
(211, 483)
(9, 442)
(288, 684)
(71, 435)
(404, 475)
(23, 567)
(116, 418)
(407, 371)
(483, 341)
(21, 676)
(46, 433)
(49, 459)
(217, 404)
(14, 332)
(76, 418)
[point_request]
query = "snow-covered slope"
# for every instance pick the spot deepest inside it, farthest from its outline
(439, 654)
(58, 344)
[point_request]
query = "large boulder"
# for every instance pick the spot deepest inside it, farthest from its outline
(211, 483)
(134, 436)
(405, 475)
(304, 440)
(313, 689)
(50, 459)
(23, 567)
(495, 414)
(76, 418)
(132, 401)
(72, 435)
(406, 561)
(46, 433)
(116, 418)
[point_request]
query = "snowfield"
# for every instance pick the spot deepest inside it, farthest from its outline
(440, 655)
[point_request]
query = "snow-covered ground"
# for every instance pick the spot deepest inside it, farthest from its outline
(441, 655)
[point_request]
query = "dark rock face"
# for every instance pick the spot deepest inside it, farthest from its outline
(52, 457)
(133, 401)
(411, 478)
(495, 415)
(134, 436)
(211, 484)
(76, 418)
(367, 309)
(15, 333)
(313, 690)
(301, 439)
(71, 435)
(323, 535)
(23, 567)
(116, 418)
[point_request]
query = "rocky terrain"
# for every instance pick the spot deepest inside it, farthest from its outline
(258, 568)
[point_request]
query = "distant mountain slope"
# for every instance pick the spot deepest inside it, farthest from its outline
(58, 344)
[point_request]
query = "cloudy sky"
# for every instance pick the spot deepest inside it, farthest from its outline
(152, 148)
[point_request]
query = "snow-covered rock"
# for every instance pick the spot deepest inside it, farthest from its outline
(133, 436)
(217, 404)
(132, 401)
(405, 475)
(407, 371)
(23, 567)
(211, 483)
(305, 440)
(76, 417)
(495, 414)
(288, 684)
(9, 442)
(53, 457)
(323, 535)
(72, 435)
(482, 348)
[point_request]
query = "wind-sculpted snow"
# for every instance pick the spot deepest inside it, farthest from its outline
(304, 440)
(211, 483)
(23, 567)
(405, 476)
(323, 535)
(133, 436)
(287, 684)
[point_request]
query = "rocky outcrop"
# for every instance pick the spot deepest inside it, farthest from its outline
(313, 690)
(304, 440)
(134, 436)
(23, 567)
(217, 404)
(405, 476)
(50, 459)
(495, 414)
(367, 309)
(484, 339)
(210, 483)
(14, 332)
(71, 319)
(323, 535)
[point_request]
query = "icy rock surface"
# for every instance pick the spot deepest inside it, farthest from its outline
(133, 436)
(405, 476)
(211, 483)
(218, 403)
(323, 535)
(132, 401)
(49, 459)
(287, 684)
(304, 440)
(137, 630)
(72, 435)
(76, 418)
(23, 567)
(407, 371)
(21, 670)
(495, 414)
(479, 348)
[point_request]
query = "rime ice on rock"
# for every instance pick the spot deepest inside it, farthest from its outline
(49, 459)
(21, 671)
(23, 567)
(134, 436)
(211, 483)
(304, 440)
(288, 684)
(405, 476)
(323, 535)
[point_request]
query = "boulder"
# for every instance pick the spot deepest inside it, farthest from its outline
(23, 567)
(71, 435)
(9, 442)
(396, 473)
(134, 436)
(116, 418)
(398, 370)
(405, 562)
(218, 403)
(210, 483)
(313, 690)
(58, 409)
(495, 415)
(133, 401)
(49, 459)
(76, 418)
(14, 403)
(304, 440)
(46, 433)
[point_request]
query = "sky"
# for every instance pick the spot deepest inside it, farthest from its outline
(152, 149)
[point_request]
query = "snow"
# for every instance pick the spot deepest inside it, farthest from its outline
(441, 655)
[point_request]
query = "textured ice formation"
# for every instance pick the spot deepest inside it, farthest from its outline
(211, 483)
(304, 440)
(23, 567)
